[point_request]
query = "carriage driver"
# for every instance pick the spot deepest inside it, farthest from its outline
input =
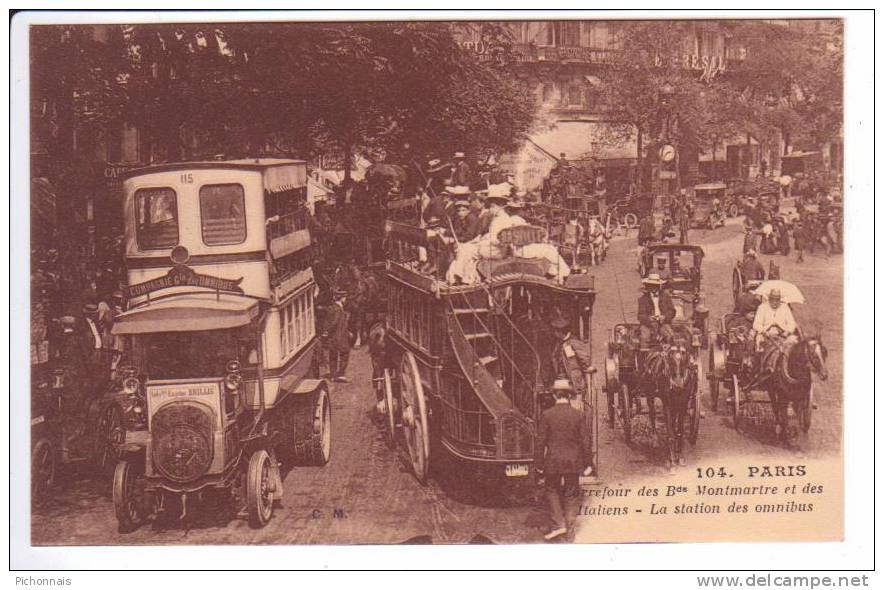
(571, 356)
(773, 318)
(655, 311)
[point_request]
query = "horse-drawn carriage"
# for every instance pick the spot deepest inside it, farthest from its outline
(740, 282)
(465, 370)
(670, 371)
(578, 233)
(782, 368)
(682, 270)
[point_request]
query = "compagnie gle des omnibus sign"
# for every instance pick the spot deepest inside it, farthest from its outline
(183, 276)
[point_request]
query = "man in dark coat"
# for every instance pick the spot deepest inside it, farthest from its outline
(571, 356)
(655, 310)
(563, 453)
(337, 338)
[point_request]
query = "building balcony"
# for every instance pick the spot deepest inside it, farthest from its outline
(531, 53)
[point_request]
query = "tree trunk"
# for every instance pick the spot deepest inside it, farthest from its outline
(348, 159)
(639, 185)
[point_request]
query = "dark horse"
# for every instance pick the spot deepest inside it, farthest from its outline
(791, 380)
(671, 375)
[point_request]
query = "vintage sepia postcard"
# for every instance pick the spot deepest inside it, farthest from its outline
(499, 280)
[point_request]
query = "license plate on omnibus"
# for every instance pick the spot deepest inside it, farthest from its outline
(517, 470)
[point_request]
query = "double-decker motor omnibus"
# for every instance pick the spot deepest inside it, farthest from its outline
(218, 378)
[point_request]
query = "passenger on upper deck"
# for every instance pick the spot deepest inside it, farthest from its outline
(466, 225)
(463, 268)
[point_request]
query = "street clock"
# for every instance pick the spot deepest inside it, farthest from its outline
(667, 153)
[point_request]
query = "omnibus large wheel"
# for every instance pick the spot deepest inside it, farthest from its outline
(43, 465)
(129, 504)
(259, 489)
(630, 220)
(390, 407)
(626, 412)
(414, 417)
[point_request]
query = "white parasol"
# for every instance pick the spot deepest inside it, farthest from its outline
(789, 292)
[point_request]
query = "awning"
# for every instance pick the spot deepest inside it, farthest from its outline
(285, 177)
(187, 313)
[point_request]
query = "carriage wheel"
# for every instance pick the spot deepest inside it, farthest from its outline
(128, 496)
(737, 282)
(259, 493)
(109, 433)
(43, 467)
(610, 391)
(322, 429)
(626, 412)
(713, 380)
(630, 220)
(733, 210)
(414, 417)
(736, 402)
(694, 412)
(805, 413)
(390, 423)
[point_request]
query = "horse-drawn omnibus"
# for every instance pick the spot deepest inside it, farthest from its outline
(218, 373)
(467, 367)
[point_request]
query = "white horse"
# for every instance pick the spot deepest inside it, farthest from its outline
(597, 241)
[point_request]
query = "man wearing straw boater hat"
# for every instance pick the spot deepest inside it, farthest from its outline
(655, 311)
(562, 454)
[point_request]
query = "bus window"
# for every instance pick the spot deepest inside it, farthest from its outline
(223, 213)
(156, 215)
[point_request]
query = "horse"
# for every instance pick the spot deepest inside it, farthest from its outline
(597, 240)
(793, 365)
(672, 376)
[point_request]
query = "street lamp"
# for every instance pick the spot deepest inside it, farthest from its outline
(667, 91)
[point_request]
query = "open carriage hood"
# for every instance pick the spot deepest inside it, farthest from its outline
(188, 313)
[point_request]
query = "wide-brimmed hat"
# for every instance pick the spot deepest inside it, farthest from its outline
(653, 279)
(458, 191)
(339, 293)
(562, 384)
(502, 200)
(90, 308)
(461, 203)
(434, 222)
(459, 155)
